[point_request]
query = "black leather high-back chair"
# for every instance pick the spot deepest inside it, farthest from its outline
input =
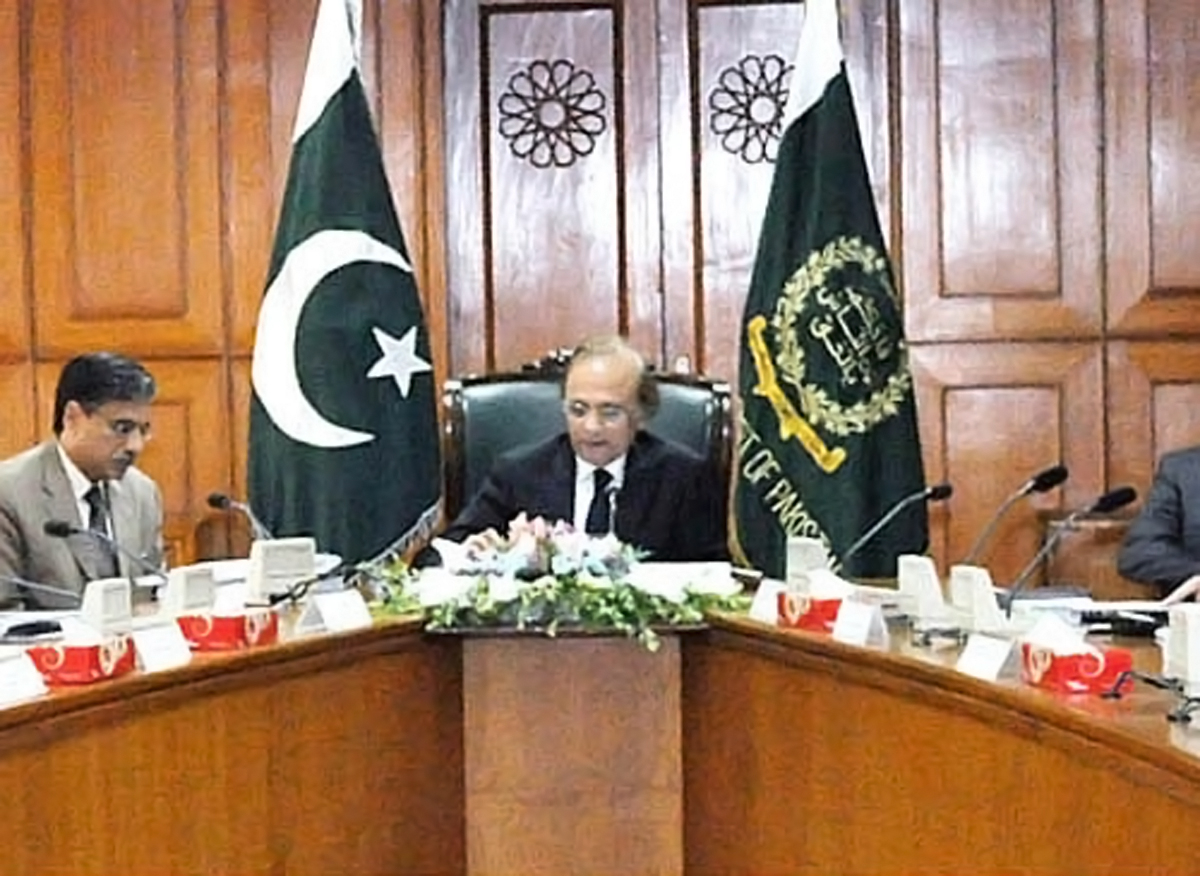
(487, 415)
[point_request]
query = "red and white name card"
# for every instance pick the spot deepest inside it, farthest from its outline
(63, 663)
(803, 612)
(1093, 671)
(230, 632)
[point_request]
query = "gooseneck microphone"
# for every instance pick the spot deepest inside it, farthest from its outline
(49, 589)
(221, 502)
(1110, 501)
(936, 493)
(63, 529)
(1044, 480)
(300, 589)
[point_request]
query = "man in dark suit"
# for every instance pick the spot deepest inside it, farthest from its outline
(85, 477)
(605, 473)
(1162, 546)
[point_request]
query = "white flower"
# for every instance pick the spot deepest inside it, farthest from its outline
(435, 586)
(578, 581)
(658, 582)
(523, 554)
(569, 551)
(503, 588)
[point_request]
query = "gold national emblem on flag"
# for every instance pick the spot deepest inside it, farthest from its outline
(839, 362)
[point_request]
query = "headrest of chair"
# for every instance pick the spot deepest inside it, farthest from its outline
(554, 362)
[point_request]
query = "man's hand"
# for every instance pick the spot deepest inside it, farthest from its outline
(487, 540)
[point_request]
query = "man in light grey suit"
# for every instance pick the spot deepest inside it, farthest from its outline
(83, 477)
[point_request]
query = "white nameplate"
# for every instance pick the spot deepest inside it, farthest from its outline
(919, 585)
(19, 679)
(1181, 657)
(277, 564)
(965, 583)
(337, 612)
(189, 590)
(108, 606)
(161, 646)
(765, 605)
(860, 624)
(229, 599)
(971, 589)
(987, 658)
(803, 555)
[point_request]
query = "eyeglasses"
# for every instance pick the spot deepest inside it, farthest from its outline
(607, 414)
(124, 428)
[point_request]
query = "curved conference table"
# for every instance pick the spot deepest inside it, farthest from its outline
(344, 754)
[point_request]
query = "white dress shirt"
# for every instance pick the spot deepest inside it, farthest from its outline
(80, 485)
(585, 486)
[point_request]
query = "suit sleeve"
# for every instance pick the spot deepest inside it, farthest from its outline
(701, 525)
(492, 507)
(1153, 550)
(10, 557)
(156, 554)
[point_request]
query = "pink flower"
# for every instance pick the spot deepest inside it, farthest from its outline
(521, 525)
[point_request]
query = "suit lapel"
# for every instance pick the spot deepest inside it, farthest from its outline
(124, 521)
(125, 525)
(561, 501)
(633, 499)
(60, 503)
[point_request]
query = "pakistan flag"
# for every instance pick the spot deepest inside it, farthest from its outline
(829, 430)
(343, 431)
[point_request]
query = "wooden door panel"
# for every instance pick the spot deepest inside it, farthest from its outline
(553, 168)
(237, 531)
(19, 427)
(148, 144)
(409, 121)
(993, 415)
(14, 315)
(1001, 171)
(125, 207)
(742, 68)
(1152, 123)
(262, 39)
(1154, 405)
(727, 66)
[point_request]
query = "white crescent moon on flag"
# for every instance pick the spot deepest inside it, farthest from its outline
(273, 371)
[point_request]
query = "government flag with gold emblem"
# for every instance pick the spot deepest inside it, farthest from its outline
(829, 436)
(343, 422)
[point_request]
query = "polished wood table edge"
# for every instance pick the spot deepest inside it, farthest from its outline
(208, 673)
(1062, 721)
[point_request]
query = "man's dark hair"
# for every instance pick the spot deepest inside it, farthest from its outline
(94, 379)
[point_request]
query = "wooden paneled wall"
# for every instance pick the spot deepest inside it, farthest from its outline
(142, 165)
(1034, 163)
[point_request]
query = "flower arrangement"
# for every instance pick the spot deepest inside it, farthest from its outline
(549, 577)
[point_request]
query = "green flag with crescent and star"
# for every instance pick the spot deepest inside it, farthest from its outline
(829, 436)
(343, 427)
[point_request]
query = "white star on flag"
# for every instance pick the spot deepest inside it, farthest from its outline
(399, 360)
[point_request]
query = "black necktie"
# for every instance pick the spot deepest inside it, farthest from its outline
(598, 512)
(98, 523)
